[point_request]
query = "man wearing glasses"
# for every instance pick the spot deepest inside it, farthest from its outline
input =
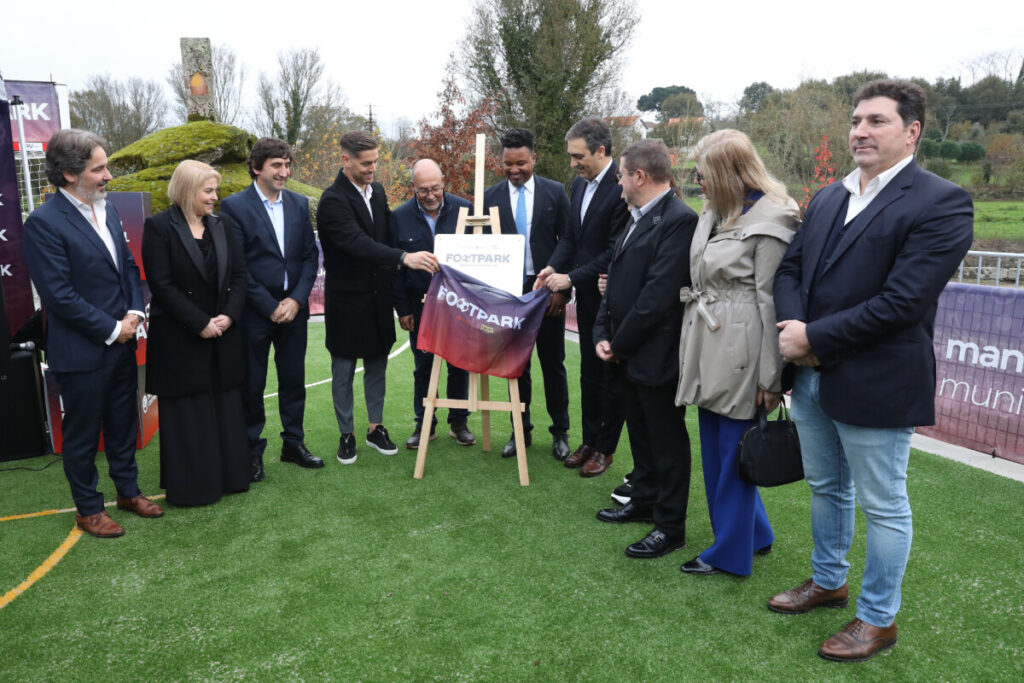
(412, 228)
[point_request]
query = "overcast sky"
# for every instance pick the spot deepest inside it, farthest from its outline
(392, 53)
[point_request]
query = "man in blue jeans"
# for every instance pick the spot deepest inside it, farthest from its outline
(856, 296)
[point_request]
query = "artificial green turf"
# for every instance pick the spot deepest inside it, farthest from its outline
(364, 573)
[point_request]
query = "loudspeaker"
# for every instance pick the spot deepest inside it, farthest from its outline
(22, 415)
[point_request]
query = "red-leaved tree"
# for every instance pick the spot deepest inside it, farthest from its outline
(451, 142)
(824, 172)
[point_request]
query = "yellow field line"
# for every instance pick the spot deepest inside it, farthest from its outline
(44, 513)
(43, 569)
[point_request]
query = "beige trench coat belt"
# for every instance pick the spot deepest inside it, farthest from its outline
(703, 298)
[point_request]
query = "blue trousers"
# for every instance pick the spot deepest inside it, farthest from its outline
(738, 518)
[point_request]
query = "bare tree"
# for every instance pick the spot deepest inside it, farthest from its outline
(122, 112)
(228, 82)
(298, 106)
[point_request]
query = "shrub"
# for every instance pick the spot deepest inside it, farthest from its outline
(949, 149)
(928, 148)
(940, 167)
(971, 151)
(933, 134)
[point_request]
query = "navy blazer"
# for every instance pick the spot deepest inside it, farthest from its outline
(549, 220)
(870, 313)
(409, 231)
(587, 247)
(641, 314)
(82, 290)
(264, 261)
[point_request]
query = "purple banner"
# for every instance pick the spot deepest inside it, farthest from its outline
(478, 327)
(39, 113)
(17, 286)
(979, 355)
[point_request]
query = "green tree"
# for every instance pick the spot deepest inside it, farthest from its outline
(546, 64)
(685, 105)
(653, 100)
(753, 94)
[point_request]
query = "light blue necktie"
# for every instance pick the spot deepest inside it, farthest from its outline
(521, 211)
(521, 225)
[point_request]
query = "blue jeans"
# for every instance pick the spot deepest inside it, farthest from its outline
(839, 460)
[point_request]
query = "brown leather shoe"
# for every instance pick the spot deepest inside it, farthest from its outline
(858, 641)
(99, 525)
(596, 464)
(807, 596)
(579, 456)
(140, 505)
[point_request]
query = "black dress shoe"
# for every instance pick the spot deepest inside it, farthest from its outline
(656, 544)
(560, 447)
(301, 456)
(256, 471)
(699, 566)
(413, 442)
(509, 451)
(767, 550)
(627, 513)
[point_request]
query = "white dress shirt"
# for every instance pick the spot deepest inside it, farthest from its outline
(858, 201)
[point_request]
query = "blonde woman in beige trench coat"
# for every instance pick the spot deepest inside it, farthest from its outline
(729, 360)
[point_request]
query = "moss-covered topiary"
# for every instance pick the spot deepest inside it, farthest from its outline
(147, 165)
(213, 143)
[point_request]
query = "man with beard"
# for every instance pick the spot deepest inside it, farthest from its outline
(352, 219)
(89, 285)
(431, 211)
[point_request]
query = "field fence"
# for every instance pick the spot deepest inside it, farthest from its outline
(996, 268)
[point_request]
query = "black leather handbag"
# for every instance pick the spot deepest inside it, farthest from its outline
(769, 451)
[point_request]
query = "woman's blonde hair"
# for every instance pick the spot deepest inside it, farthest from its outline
(731, 167)
(186, 180)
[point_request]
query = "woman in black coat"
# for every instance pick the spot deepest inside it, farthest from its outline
(195, 357)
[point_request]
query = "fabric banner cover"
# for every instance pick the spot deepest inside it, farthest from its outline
(479, 328)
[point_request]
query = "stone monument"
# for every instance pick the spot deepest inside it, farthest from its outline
(197, 68)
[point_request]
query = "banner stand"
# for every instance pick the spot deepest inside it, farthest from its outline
(478, 383)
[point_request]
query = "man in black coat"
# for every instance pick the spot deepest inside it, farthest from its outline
(538, 209)
(273, 226)
(352, 219)
(596, 217)
(432, 211)
(638, 326)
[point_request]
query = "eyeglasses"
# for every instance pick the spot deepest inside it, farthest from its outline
(698, 176)
(620, 174)
(427, 191)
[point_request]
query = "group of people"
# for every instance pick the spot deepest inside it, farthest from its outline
(724, 312)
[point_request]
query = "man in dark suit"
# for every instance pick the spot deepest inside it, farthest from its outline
(276, 234)
(638, 326)
(89, 285)
(352, 219)
(596, 217)
(856, 296)
(538, 209)
(431, 211)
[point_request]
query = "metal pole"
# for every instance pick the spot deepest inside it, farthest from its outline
(25, 173)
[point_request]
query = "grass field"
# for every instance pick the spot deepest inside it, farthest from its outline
(363, 573)
(999, 221)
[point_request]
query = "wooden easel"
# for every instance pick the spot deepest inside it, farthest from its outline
(477, 382)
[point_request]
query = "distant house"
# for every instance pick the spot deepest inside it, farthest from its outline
(634, 124)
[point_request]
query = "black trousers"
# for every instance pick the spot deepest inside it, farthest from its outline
(661, 453)
(102, 400)
(551, 354)
(458, 379)
(601, 410)
(289, 342)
